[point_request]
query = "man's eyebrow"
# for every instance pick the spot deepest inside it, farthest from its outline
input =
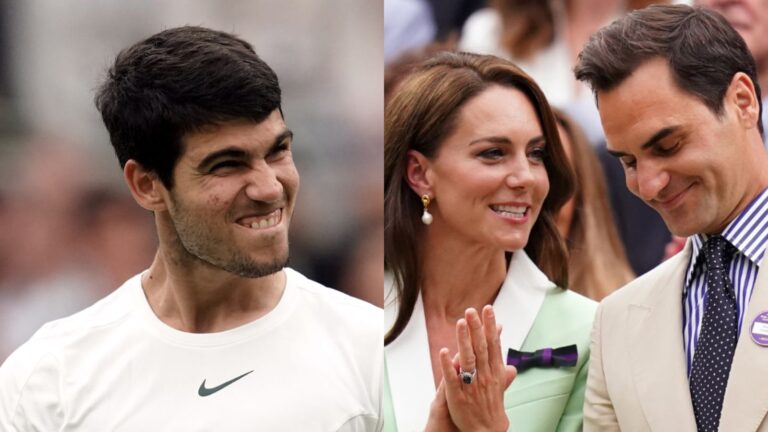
(658, 136)
(229, 152)
(238, 153)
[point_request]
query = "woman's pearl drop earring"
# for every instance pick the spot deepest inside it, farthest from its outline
(426, 217)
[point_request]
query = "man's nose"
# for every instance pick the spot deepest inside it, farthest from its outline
(263, 184)
(651, 178)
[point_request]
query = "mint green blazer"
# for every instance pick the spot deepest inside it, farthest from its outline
(541, 399)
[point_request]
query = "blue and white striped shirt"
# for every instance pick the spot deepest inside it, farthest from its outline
(748, 232)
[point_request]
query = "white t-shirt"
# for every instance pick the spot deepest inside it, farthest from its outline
(316, 362)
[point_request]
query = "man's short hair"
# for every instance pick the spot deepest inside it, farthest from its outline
(703, 52)
(177, 82)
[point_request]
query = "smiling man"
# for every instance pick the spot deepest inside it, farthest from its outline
(685, 346)
(218, 334)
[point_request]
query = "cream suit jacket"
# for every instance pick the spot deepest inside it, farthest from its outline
(637, 376)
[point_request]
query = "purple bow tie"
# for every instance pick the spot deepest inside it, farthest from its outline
(547, 357)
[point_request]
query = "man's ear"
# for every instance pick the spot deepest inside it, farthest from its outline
(418, 173)
(741, 93)
(145, 186)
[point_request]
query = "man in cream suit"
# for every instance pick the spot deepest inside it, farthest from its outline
(684, 347)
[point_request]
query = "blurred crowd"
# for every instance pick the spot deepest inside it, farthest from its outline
(69, 231)
(611, 234)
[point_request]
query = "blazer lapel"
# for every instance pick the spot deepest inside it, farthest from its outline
(410, 372)
(657, 355)
(519, 300)
(746, 396)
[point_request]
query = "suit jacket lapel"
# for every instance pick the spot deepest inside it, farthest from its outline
(746, 396)
(519, 300)
(410, 372)
(657, 355)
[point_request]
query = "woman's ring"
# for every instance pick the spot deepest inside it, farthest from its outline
(467, 377)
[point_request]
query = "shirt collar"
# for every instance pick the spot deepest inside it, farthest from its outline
(748, 233)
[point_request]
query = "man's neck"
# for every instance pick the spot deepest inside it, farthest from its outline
(196, 297)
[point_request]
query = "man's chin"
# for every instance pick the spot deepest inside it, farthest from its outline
(250, 268)
(262, 269)
(681, 228)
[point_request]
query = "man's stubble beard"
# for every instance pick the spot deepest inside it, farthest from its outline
(195, 242)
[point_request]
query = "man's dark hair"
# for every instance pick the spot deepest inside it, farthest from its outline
(703, 52)
(177, 82)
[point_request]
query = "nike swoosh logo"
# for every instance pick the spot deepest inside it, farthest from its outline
(203, 391)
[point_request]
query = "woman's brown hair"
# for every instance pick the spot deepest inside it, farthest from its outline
(597, 262)
(420, 116)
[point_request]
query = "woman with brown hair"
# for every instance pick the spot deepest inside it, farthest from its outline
(597, 263)
(474, 175)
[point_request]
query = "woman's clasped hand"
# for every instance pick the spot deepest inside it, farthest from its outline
(470, 396)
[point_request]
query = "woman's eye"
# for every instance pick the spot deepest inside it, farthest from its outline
(537, 154)
(628, 162)
(492, 153)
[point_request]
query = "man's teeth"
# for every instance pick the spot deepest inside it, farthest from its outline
(265, 223)
(512, 211)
